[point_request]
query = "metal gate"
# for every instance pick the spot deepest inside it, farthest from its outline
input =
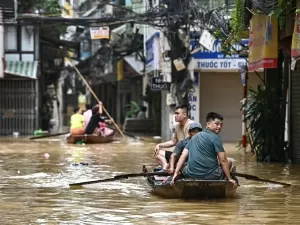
(18, 106)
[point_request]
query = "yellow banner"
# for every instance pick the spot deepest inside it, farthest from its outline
(120, 69)
(263, 42)
(296, 38)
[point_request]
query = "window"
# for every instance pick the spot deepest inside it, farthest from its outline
(11, 41)
(27, 41)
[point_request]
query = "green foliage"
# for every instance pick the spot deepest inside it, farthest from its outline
(237, 21)
(283, 8)
(264, 123)
(50, 7)
(132, 109)
(237, 27)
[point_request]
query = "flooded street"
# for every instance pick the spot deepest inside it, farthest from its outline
(35, 190)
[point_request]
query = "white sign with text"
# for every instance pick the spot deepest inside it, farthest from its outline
(194, 100)
(225, 64)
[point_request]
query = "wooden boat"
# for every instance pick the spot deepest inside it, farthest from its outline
(195, 189)
(90, 139)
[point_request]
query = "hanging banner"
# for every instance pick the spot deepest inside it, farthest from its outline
(296, 38)
(120, 70)
(263, 42)
(67, 11)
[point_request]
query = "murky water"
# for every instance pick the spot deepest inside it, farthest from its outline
(35, 190)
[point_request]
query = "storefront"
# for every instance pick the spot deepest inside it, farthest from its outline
(221, 90)
(19, 80)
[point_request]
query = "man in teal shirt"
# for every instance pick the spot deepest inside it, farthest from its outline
(180, 146)
(204, 153)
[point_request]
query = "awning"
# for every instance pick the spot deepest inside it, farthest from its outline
(135, 64)
(22, 68)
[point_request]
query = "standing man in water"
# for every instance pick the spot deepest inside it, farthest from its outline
(180, 133)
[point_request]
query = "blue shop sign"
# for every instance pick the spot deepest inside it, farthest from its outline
(216, 53)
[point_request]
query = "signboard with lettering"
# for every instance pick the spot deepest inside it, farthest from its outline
(99, 33)
(226, 64)
(194, 99)
(158, 84)
(216, 59)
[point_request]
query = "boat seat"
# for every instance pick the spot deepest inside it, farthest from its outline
(133, 124)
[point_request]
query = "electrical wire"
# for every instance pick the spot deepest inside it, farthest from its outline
(265, 6)
(175, 18)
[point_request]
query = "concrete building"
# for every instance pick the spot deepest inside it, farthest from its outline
(19, 74)
(217, 83)
(116, 79)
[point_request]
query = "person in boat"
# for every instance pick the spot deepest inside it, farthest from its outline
(204, 152)
(193, 130)
(180, 133)
(97, 122)
(88, 113)
(77, 122)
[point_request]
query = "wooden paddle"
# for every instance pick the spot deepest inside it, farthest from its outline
(95, 96)
(121, 177)
(252, 177)
(46, 136)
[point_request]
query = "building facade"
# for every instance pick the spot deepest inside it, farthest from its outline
(19, 76)
(220, 88)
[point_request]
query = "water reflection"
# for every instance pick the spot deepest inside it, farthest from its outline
(35, 190)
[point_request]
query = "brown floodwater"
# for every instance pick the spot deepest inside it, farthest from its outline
(35, 190)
